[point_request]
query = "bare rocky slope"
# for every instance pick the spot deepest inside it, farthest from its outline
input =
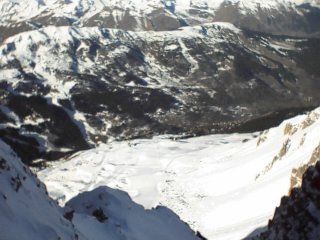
(65, 89)
(298, 216)
(68, 81)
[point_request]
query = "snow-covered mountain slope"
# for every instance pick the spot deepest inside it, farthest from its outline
(28, 213)
(26, 210)
(95, 84)
(120, 218)
(225, 186)
(294, 17)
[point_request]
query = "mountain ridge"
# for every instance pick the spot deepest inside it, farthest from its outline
(285, 17)
(128, 80)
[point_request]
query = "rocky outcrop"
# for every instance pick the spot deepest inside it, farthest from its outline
(298, 216)
(297, 173)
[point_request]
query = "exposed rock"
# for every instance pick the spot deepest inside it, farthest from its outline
(96, 85)
(99, 215)
(298, 216)
(297, 173)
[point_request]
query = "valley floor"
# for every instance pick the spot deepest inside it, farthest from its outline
(224, 186)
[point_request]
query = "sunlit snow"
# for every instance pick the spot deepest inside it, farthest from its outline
(225, 186)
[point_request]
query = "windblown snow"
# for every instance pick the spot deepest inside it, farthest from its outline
(225, 186)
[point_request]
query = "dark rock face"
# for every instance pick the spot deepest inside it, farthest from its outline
(98, 84)
(298, 216)
(112, 84)
(99, 215)
(55, 126)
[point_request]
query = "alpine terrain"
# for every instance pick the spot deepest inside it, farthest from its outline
(159, 119)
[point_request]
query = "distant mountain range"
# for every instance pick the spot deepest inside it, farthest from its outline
(280, 17)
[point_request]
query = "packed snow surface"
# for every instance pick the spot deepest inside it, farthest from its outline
(225, 186)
